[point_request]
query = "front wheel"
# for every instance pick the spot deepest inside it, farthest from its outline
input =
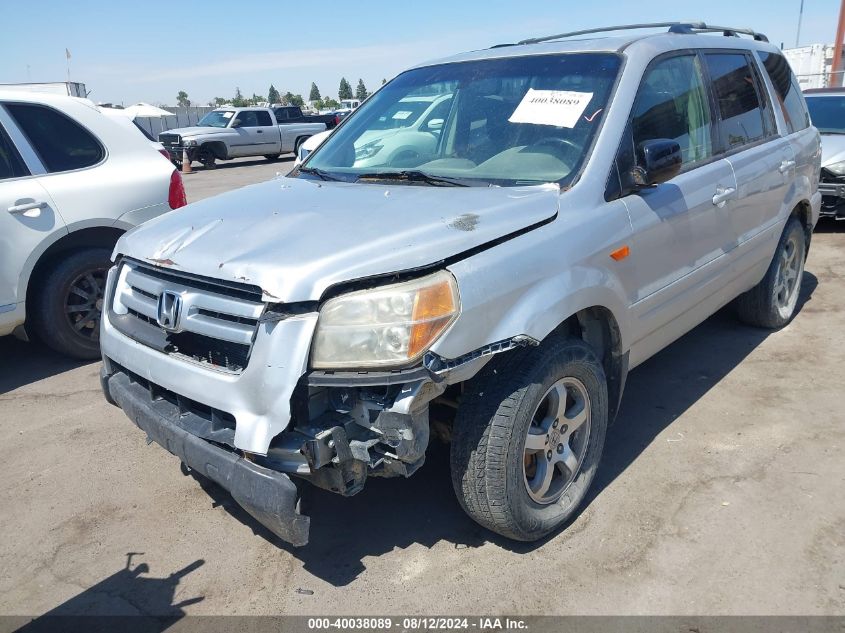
(771, 303)
(272, 157)
(67, 307)
(206, 157)
(528, 438)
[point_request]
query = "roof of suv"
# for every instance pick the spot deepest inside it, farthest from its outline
(629, 41)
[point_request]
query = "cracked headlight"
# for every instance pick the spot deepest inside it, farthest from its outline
(837, 169)
(385, 327)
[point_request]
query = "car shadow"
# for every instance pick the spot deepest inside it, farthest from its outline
(25, 363)
(398, 513)
(829, 225)
(234, 164)
(117, 600)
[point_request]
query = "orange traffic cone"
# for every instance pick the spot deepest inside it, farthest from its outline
(186, 162)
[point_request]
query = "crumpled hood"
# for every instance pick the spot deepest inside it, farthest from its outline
(196, 131)
(833, 149)
(295, 237)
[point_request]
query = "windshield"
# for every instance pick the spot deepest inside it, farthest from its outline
(827, 113)
(217, 118)
(510, 121)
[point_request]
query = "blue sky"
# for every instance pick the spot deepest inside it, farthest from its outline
(148, 50)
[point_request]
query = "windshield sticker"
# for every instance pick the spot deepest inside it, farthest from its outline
(561, 108)
(402, 115)
(228, 115)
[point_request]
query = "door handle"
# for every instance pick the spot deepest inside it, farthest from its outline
(259, 131)
(722, 195)
(786, 165)
(23, 208)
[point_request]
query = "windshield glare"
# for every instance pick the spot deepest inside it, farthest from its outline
(827, 113)
(510, 121)
(218, 118)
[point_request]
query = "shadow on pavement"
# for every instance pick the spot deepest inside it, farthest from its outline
(396, 513)
(127, 592)
(24, 363)
(233, 164)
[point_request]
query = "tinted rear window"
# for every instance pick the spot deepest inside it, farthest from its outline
(786, 88)
(61, 143)
(264, 118)
(11, 165)
(736, 94)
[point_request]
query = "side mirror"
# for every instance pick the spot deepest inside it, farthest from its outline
(658, 160)
(236, 123)
(435, 124)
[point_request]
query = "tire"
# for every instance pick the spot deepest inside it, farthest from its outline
(206, 157)
(771, 303)
(272, 156)
(297, 144)
(67, 305)
(494, 473)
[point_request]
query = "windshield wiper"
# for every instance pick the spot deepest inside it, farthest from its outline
(322, 175)
(412, 175)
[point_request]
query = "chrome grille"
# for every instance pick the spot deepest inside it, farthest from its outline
(216, 325)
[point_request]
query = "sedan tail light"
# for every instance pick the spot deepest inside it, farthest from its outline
(176, 197)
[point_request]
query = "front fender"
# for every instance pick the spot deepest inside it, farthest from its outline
(533, 283)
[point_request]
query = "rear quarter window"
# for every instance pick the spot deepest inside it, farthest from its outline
(739, 104)
(61, 143)
(787, 92)
(11, 164)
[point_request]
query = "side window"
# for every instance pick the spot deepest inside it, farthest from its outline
(61, 143)
(263, 118)
(738, 102)
(247, 118)
(282, 114)
(11, 164)
(672, 103)
(788, 94)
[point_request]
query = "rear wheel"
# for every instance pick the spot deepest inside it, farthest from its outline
(297, 145)
(66, 311)
(272, 156)
(771, 303)
(528, 438)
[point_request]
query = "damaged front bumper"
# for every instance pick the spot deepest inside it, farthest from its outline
(269, 496)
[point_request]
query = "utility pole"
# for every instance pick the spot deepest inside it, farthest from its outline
(800, 17)
(837, 48)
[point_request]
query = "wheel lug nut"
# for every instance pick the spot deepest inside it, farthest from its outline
(560, 448)
(549, 455)
(564, 428)
(554, 424)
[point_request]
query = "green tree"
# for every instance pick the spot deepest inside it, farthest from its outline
(328, 102)
(239, 100)
(182, 99)
(319, 104)
(219, 101)
(314, 95)
(273, 95)
(361, 90)
(345, 89)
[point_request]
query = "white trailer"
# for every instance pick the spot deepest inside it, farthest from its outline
(812, 65)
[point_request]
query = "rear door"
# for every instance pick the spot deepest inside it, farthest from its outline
(27, 215)
(682, 228)
(762, 160)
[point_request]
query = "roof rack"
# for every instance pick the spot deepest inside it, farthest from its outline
(674, 27)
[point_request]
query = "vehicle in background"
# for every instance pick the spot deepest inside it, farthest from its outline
(408, 130)
(310, 145)
(66, 88)
(294, 114)
(827, 112)
(587, 202)
(72, 181)
(227, 133)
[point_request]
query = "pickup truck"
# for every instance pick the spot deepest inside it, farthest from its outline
(227, 133)
(293, 114)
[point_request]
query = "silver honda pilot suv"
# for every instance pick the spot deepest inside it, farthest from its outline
(487, 270)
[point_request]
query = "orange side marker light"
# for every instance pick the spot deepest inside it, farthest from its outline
(621, 253)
